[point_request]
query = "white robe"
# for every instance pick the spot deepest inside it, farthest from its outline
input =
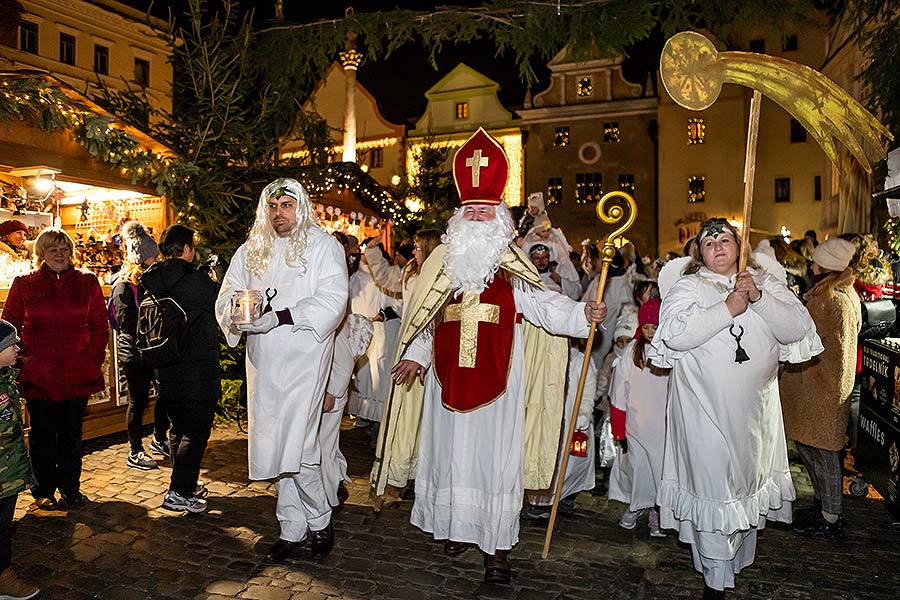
(350, 343)
(617, 294)
(372, 378)
(642, 395)
(580, 471)
(469, 480)
(288, 367)
(725, 466)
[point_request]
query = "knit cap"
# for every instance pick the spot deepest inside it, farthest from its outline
(834, 254)
(139, 246)
(8, 335)
(627, 323)
(11, 226)
(648, 313)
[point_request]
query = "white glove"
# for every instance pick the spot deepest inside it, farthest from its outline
(581, 423)
(264, 324)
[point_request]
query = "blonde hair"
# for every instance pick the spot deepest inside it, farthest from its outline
(51, 236)
(262, 234)
(428, 240)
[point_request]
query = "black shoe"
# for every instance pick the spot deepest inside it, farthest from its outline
(821, 528)
(321, 542)
(455, 549)
(281, 549)
(73, 500)
(712, 594)
(496, 567)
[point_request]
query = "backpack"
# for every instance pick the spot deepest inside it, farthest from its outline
(163, 331)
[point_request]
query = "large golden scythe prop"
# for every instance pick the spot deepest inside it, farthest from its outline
(693, 71)
(611, 215)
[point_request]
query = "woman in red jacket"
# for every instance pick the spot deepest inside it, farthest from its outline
(61, 316)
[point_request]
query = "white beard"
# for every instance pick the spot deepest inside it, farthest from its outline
(474, 249)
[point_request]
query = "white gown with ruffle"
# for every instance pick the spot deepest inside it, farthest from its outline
(725, 467)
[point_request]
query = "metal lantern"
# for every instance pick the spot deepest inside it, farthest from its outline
(579, 444)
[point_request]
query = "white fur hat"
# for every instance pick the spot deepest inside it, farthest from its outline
(834, 254)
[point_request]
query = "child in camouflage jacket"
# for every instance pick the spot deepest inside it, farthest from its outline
(15, 466)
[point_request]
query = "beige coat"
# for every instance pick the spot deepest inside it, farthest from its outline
(815, 394)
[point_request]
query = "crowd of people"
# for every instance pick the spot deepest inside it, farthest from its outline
(460, 353)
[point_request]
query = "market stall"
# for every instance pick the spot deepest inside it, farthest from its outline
(47, 178)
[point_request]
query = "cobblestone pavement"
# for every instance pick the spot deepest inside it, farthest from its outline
(123, 546)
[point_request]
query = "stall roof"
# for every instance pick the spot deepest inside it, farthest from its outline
(75, 96)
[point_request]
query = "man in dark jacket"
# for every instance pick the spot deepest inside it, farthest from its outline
(191, 387)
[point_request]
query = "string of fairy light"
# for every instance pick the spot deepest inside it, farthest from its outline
(37, 101)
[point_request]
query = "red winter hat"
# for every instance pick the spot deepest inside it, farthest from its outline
(13, 225)
(480, 170)
(648, 313)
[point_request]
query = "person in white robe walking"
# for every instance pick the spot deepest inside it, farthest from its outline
(289, 356)
(725, 467)
(638, 407)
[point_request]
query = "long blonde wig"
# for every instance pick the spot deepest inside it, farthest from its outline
(262, 234)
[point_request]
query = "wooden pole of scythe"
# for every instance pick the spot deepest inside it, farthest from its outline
(749, 177)
(607, 253)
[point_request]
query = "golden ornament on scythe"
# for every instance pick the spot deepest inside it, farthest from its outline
(693, 71)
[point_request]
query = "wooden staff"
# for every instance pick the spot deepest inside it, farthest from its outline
(749, 177)
(607, 253)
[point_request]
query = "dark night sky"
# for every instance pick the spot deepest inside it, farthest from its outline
(399, 82)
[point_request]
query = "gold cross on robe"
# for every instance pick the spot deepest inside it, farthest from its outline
(470, 312)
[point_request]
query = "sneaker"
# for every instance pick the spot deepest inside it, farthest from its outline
(177, 502)
(535, 512)
(13, 588)
(200, 491)
(630, 518)
(140, 460)
(161, 447)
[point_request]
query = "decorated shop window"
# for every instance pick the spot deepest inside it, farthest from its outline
(611, 133)
(554, 190)
(626, 183)
(696, 131)
(696, 188)
(585, 87)
(588, 187)
(562, 137)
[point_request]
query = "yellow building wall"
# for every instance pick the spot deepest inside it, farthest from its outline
(120, 28)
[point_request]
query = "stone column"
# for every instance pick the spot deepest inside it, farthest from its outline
(350, 60)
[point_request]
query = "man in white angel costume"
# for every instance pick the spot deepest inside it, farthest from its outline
(302, 271)
(722, 332)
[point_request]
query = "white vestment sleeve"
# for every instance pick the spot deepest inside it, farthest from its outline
(342, 365)
(782, 310)
(236, 278)
(571, 288)
(323, 312)
(586, 410)
(621, 380)
(387, 276)
(684, 324)
(552, 311)
(420, 348)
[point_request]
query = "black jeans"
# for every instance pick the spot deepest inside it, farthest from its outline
(55, 445)
(7, 508)
(191, 406)
(139, 379)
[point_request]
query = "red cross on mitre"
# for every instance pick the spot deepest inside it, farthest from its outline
(480, 170)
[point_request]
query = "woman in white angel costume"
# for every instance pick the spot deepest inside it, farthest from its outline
(725, 468)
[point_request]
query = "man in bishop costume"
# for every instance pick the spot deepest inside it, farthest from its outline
(303, 274)
(480, 332)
